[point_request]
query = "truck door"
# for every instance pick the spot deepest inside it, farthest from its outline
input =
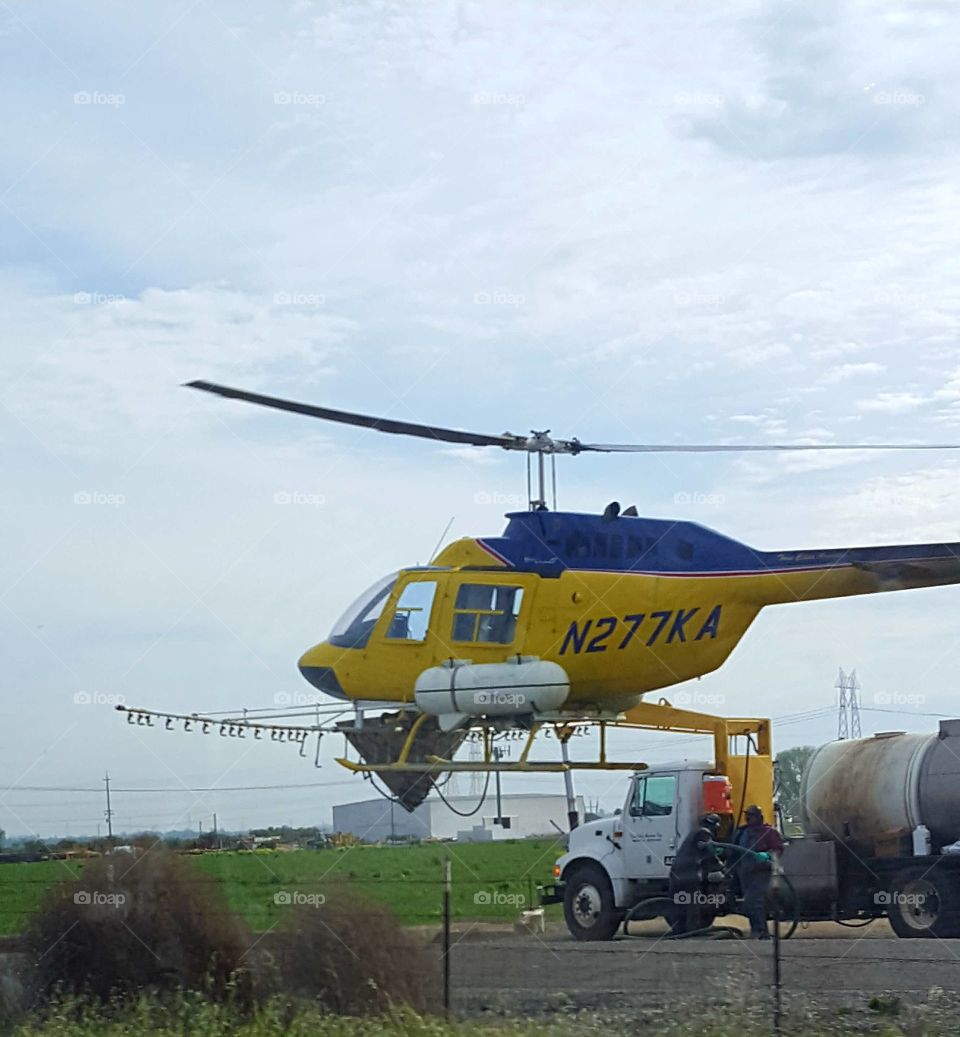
(650, 826)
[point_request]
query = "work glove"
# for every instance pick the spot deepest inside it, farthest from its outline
(764, 856)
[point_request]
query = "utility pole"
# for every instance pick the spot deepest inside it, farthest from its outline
(447, 884)
(108, 813)
(500, 820)
(573, 817)
(216, 836)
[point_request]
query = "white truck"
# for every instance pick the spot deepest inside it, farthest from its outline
(881, 822)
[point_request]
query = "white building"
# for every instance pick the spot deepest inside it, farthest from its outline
(529, 814)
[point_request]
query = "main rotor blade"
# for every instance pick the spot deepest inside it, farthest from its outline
(537, 442)
(704, 448)
(406, 428)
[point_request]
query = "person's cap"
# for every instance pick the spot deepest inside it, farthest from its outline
(754, 810)
(711, 820)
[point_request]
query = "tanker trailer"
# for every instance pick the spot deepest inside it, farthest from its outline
(881, 818)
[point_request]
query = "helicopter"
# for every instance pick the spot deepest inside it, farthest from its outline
(564, 618)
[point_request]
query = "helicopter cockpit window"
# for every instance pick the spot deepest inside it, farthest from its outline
(412, 616)
(486, 613)
(354, 627)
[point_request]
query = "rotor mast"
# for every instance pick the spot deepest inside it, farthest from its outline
(541, 444)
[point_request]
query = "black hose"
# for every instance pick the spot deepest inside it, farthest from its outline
(738, 820)
(711, 931)
(795, 902)
(438, 788)
(794, 918)
(649, 902)
(466, 813)
(856, 925)
(389, 796)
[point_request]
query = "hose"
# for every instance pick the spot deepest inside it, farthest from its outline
(713, 932)
(710, 931)
(466, 813)
(738, 820)
(795, 902)
(794, 917)
(438, 788)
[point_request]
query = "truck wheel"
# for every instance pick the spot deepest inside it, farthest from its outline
(925, 903)
(588, 905)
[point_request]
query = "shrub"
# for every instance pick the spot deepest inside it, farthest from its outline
(126, 924)
(354, 958)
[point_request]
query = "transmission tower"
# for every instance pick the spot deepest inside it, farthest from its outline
(848, 700)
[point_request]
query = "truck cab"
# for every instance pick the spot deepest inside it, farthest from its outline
(613, 863)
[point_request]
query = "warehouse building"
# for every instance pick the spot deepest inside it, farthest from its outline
(529, 814)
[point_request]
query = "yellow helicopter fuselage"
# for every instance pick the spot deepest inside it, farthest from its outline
(623, 605)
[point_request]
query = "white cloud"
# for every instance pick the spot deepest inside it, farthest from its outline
(950, 390)
(626, 224)
(881, 507)
(846, 372)
(893, 402)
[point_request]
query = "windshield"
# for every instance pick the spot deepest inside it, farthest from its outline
(353, 628)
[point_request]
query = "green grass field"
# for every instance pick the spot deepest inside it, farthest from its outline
(491, 881)
(22, 887)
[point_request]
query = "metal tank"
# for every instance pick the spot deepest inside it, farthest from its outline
(459, 689)
(858, 791)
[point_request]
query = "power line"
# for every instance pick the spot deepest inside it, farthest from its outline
(909, 712)
(782, 721)
(247, 788)
(179, 788)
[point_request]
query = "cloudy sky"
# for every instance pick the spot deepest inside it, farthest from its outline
(661, 222)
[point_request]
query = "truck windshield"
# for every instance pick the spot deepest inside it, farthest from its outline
(354, 627)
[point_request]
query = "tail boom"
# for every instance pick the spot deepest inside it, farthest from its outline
(816, 575)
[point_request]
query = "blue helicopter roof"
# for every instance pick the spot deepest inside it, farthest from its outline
(569, 540)
(550, 541)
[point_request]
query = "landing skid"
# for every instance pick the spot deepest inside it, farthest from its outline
(646, 716)
(414, 767)
(411, 758)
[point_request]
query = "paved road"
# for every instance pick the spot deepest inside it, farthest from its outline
(492, 971)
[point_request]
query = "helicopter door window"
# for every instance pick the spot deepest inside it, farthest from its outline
(412, 615)
(486, 613)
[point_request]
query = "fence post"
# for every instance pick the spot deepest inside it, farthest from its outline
(446, 936)
(777, 986)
